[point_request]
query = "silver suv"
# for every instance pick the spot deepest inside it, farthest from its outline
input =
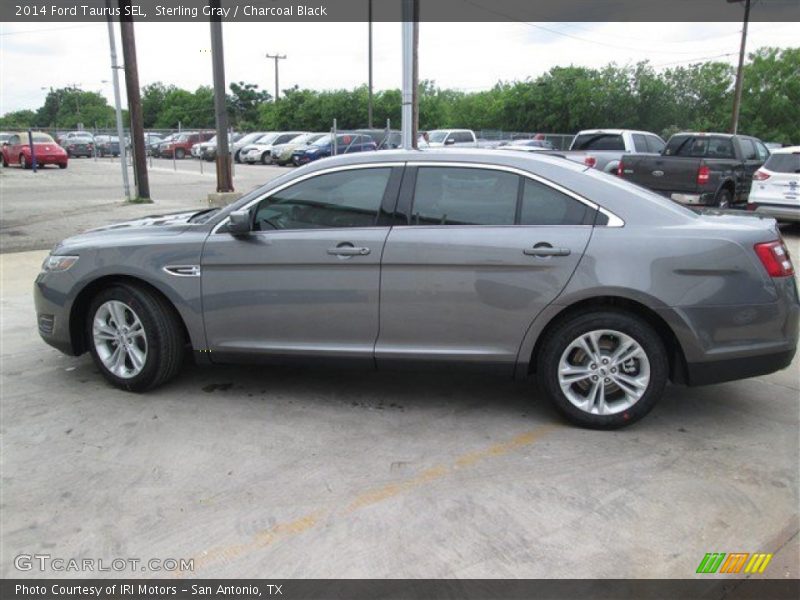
(525, 264)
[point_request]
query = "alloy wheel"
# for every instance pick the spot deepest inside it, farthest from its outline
(119, 339)
(604, 372)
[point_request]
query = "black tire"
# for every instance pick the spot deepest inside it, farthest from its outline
(62, 165)
(180, 154)
(165, 339)
(5, 162)
(559, 338)
(265, 158)
(723, 199)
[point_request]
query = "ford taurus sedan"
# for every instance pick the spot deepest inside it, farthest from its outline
(526, 264)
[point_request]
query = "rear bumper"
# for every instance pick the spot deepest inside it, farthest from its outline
(777, 212)
(738, 368)
(691, 199)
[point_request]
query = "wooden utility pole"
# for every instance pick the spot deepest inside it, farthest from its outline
(737, 94)
(224, 176)
(276, 58)
(134, 104)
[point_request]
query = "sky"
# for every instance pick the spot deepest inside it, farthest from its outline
(466, 56)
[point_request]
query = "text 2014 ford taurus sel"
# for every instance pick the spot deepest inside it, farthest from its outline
(529, 264)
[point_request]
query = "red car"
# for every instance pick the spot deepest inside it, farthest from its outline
(181, 145)
(17, 151)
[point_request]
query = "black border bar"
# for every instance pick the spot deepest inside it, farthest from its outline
(706, 588)
(333, 11)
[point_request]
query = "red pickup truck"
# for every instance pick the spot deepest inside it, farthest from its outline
(181, 145)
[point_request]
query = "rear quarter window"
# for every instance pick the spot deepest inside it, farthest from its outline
(783, 163)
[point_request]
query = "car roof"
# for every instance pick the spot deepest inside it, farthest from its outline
(614, 131)
(786, 150)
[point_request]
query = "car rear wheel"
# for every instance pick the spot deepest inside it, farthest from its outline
(135, 337)
(180, 153)
(265, 158)
(5, 162)
(603, 370)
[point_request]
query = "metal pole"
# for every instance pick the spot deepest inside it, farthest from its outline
(415, 78)
(134, 102)
(118, 106)
(335, 140)
(737, 98)
(33, 150)
(276, 58)
(408, 75)
(224, 178)
(369, 99)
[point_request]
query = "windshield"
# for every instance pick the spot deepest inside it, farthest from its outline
(266, 139)
(437, 137)
(41, 138)
(323, 141)
(213, 140)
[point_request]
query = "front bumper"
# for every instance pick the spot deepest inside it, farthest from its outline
(52, 314)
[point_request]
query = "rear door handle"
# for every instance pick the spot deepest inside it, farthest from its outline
(348, 251)
(545, 249)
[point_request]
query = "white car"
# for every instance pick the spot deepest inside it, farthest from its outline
(776, 186)
(261, 149)
(445, 138)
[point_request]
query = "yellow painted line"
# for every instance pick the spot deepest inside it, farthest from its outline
(281, 531)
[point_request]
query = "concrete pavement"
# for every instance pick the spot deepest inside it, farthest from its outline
(321, 473)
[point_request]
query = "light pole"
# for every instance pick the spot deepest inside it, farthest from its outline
(123, 150)
(369, 99)
(737, 94)
(276, 58)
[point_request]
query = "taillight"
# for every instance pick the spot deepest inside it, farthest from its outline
(775, 258)
(760, 175)
(703, 174)
(590, 161)
(620, 169)
(751, 206)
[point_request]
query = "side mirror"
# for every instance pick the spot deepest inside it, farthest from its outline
(449, 142)
(239, 222)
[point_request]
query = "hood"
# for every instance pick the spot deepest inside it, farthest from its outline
(162, 221)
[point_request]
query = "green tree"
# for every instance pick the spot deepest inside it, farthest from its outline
(18, 119)
(243, 104)
(154, 102)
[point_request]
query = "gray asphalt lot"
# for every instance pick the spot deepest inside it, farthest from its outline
(290, 472)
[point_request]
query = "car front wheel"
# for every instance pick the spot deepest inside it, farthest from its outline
(604, 369)
(135, 337)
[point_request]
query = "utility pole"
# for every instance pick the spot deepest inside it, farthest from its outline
(224, 177)
(737, 95)
(123, 150)
(407, 114)
(369, 99)
(134, 102)
(276, 58)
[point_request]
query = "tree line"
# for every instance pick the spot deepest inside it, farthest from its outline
(563, 100)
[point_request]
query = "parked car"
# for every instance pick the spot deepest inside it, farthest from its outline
(107, 145)
(282, 153)
(522, 263)
(602, 149)
(709, 169)
(346, 143)
(261, 149)
(78, 143)
(439, 138)
(384, 140)
(776, 186)
(245, 140)
(208, 150)
(181, 145)
(16, 150)
(153, 143)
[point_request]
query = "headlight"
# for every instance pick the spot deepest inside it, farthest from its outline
(53, 264)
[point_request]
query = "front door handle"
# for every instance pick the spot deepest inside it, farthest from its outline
(348, 251)
(545, 249)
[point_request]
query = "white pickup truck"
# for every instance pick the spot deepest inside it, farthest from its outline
(446, 138)
(602, 149)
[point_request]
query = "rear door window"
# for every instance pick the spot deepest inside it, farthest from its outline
(544, 205)
(748, 149)
(639, 142)
(464, 196)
